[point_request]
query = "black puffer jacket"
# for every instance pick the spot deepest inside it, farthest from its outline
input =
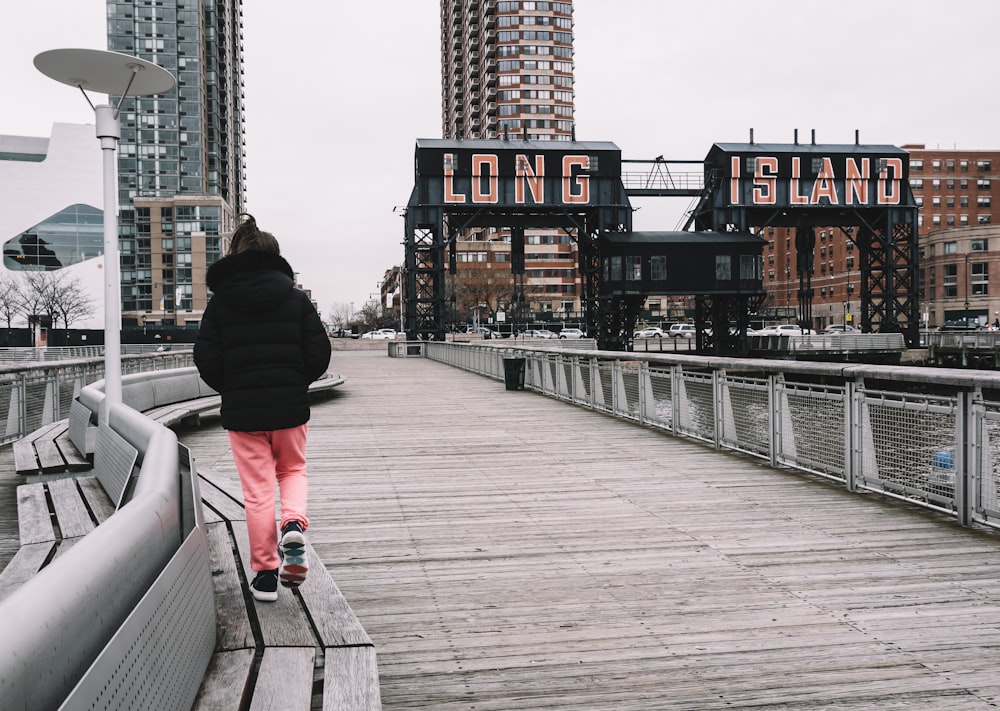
(261, 343)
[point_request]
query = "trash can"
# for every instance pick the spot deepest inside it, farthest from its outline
(513, 373)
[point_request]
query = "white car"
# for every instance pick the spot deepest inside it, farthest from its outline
(571, 333)
(682, 330)
(651, 332)
(782, 329)
(382, 334)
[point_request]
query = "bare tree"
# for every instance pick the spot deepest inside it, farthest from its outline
(341, 314)
(10, 299)
(70, 300)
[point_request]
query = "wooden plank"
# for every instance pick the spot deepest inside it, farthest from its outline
(75, 461)
(96, 498)
(26, 562)
(25, 461)
(350, 680)
(226, 681)
(497, 565)
(71, 514)
(335, 622)
(284, 680)
(220, 501)
(50, 458)
(33, 518)
(283, 623)
(233, 628)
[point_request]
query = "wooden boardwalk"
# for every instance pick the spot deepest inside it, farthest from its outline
(508, 551)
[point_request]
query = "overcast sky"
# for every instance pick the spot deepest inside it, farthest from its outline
(338, 93)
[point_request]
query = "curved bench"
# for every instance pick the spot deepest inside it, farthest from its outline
(109, 605)
(307, 643)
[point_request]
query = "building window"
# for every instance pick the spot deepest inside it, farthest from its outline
(917, 164)
(931, 282)
(936, 166)
(916, 184)
(950, 248)
(658, 268)
(963, 166)
(616, 268)
(980, 279)
(633, 268)
(963, 219)
(983, 166)
(950, 281)
(950, 165)
(983, 202)
(984, 220)
(983, 185)
(979, 245)
(723, 267)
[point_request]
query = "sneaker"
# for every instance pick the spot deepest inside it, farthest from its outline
(265, 586)
(292, 549)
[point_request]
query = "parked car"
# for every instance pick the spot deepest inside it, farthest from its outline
(484, 332)
(837, 328)
(682, 330)
(649, 332)
(545, 333)
(783, 329)
(962, 324)
(381, 334)
(571, 333)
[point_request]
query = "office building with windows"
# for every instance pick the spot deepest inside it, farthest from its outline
(507, 72)
(181, 159)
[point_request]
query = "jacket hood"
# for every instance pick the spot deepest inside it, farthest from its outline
(250, 280)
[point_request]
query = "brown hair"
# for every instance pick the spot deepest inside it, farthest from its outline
(248, 237)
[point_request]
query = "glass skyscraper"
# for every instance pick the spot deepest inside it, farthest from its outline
(180, 161)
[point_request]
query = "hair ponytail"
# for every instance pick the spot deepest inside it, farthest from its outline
(248, 237)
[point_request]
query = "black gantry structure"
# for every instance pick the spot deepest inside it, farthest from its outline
(863, 189)
(463, 185)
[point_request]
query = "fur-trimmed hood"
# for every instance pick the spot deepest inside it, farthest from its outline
(251, 280)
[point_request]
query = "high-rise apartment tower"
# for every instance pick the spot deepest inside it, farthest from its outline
(507, 73)
(180, 159)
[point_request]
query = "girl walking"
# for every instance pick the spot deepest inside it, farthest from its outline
(260, 345)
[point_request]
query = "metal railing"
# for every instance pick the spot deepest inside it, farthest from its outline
(40, 392)
(930, 436)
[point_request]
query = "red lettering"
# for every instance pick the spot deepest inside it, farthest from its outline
(492, 192)
(765, 180)
(856, 181)
(734, 181)
(581, 195)
(889, 189)
(824, 186)
(532, 178)
(794, 197)
(449, 180)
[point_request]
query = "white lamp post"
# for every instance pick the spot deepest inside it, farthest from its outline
(107, 73)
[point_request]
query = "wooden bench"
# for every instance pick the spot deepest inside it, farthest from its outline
(168, 397)
(308, 643)
(307, 649)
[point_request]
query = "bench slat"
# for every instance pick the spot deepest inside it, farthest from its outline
(73, 517)
(74, 460)
(225, 681)
(286, 674)
(26, 562)
(335, 621)
(50, 459)
(233, 630)
(351, 680)
(221, 501)
(97, 499)
(24, 457)
(282, 623)
(33, 520)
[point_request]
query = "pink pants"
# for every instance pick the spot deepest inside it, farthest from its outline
(266, 459)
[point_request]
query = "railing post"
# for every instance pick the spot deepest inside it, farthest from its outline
(774, 417)
(718, 404)
(676, 375)
(643, 380)
(852, 450)
(966, 451)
